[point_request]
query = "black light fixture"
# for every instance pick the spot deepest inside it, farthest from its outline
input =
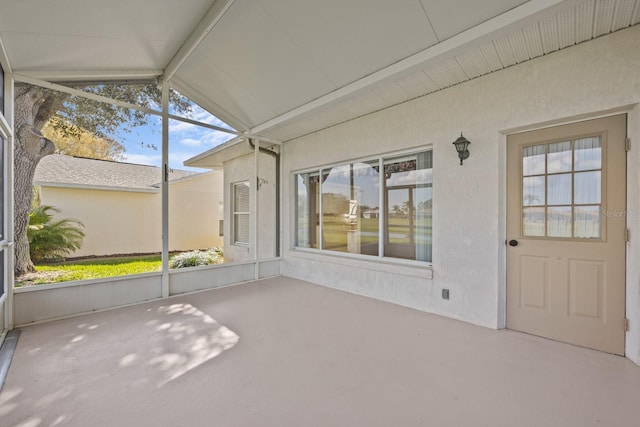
(462, 147)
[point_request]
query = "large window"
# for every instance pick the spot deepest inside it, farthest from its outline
(240, 213)
(356, 209)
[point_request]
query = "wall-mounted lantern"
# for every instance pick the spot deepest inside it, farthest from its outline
(462, 147)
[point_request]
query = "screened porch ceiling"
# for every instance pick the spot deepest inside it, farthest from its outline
(280, 69)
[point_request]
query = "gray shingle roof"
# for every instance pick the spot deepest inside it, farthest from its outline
(66, 171)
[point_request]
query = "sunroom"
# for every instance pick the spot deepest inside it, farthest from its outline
(341, 171)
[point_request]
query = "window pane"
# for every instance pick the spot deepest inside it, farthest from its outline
(350, 208)
(587, 222)
(533, 222)
(336, 196)
(533, 160)
(241, 228)
(559, 221)
(533, 191)
(364, 230)
(559, 189)
(308, 209)
(241, 222)
(408, 206)
(588, 154)
(559, 157)
(587, 188)
(241, 198)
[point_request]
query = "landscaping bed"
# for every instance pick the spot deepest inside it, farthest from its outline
(100, 268)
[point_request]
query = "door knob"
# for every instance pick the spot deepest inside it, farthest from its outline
(513, 243)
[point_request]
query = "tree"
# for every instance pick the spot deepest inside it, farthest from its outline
(35, 106)
(407, 208)
(82, 143)
(51, 240)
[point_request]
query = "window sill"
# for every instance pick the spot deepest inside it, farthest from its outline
(386, 265)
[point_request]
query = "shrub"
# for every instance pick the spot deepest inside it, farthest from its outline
(51, 240)
(196, 258)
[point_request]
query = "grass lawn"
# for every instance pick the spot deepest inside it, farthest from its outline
(90, 269)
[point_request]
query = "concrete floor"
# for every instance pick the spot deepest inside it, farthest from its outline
(282, 352)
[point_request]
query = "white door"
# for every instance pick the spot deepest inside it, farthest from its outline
(566, 223)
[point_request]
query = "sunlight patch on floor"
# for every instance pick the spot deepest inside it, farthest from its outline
(189, 338)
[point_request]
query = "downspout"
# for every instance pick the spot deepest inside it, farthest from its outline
(276, 156)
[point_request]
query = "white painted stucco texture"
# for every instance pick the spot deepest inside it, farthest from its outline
(577, 83)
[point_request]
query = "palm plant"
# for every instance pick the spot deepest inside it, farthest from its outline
(51, 240)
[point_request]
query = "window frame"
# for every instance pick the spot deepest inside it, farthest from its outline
(235, 213)
(381, 160)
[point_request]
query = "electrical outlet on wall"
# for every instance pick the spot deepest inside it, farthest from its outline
(445, 294)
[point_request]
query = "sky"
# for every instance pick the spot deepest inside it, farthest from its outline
(144, 144)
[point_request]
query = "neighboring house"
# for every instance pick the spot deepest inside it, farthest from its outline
(371, 214)
(120, 204)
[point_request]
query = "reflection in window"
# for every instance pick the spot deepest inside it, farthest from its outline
(307, 210)
(562, 189)
(341, 208)
(350, 209)
(408, 203)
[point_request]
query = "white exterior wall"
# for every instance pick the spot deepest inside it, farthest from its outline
(193, 212)
(115, 222)
(121, 222)
(239, 170)
(469, 210)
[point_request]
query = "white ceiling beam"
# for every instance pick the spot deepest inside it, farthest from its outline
(79, 76)
(4, 58)
(204, 125)
(212, 107)
(65, 89)
(204, 27)
(523, 15)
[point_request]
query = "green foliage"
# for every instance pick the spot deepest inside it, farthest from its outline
(51, 240)
(91, 269)
(196, 258)
(108, 267)
(107, 120)
(83, 144)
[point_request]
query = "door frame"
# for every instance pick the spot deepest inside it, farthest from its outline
(632, 272)
(7, 254)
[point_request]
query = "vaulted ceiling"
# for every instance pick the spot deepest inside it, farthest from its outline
(285, 68)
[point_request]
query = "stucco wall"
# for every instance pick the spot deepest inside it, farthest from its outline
(242, 169)
(469, 201)
(193, 212)
(119, 222)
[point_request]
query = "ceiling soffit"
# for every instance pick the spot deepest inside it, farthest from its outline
(567, 27)
(265, 58)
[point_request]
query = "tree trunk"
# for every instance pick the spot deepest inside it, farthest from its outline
(33, 107)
